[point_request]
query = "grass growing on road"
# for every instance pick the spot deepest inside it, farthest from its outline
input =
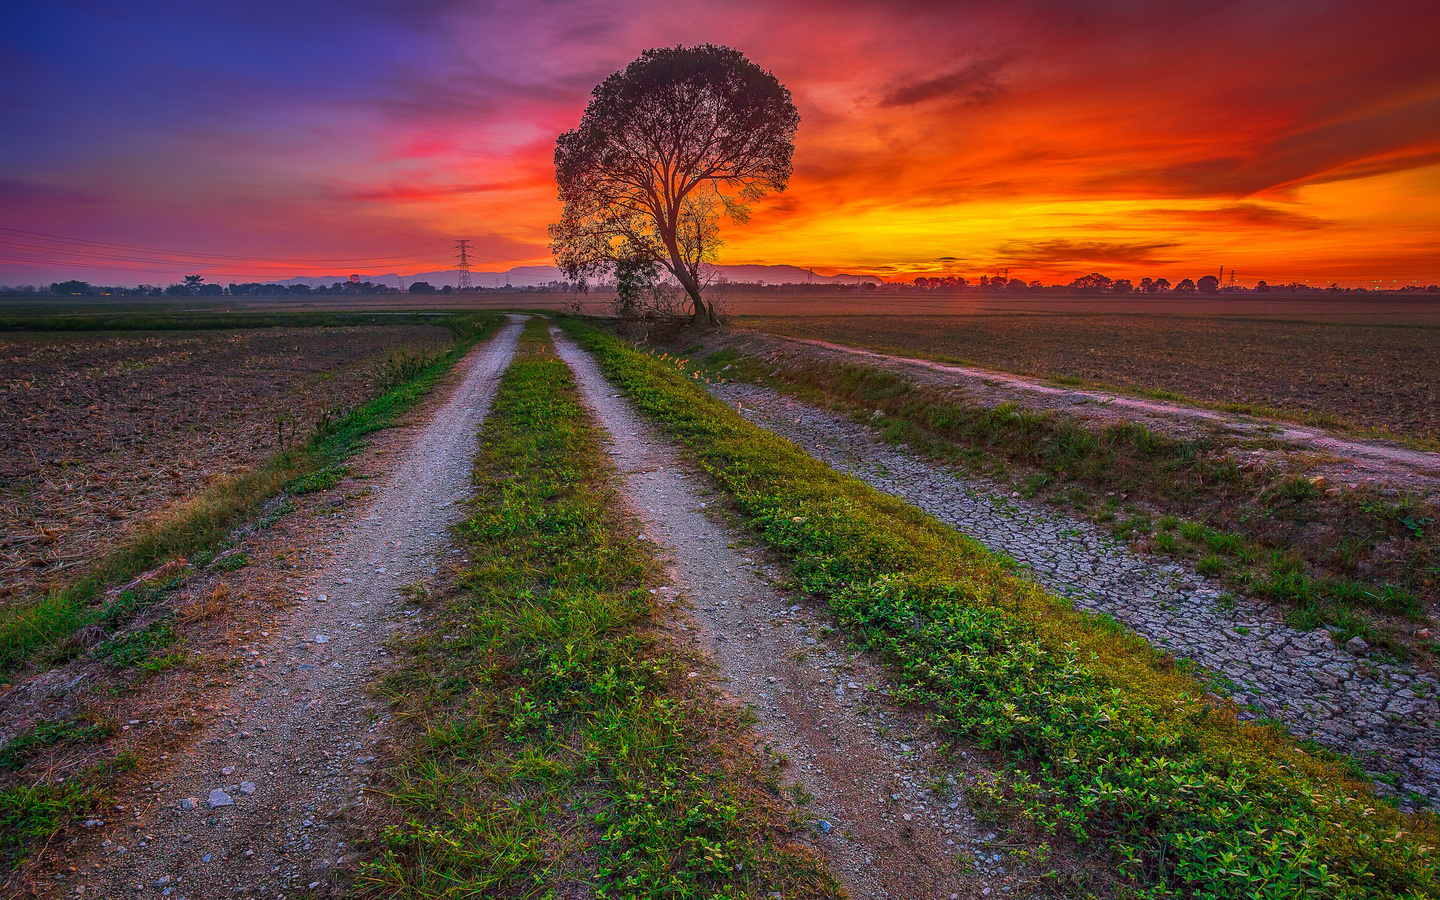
(1110, 743)
(559, 748)
(40, 628)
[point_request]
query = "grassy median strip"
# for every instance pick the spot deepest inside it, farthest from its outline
(40, 628)
(1338, 556)
(561, 744)
(1111, 744)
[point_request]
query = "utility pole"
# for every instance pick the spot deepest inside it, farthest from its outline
(463, 257)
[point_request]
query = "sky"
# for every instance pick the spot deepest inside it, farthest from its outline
(1287, 140)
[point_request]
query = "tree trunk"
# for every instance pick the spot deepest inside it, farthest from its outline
(691, 286)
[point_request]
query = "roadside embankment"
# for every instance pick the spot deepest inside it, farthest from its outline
(1353, 701)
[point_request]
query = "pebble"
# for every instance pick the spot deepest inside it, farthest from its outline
(219, 798)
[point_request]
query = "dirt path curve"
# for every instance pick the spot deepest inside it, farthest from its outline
(258, 804)
(871, 766)
(1414, 470)
(1383, 712)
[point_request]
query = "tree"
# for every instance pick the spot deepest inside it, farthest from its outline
(71, 287)
(665, 146)
(1162, 285)
(192, 283)
(635, 280)
(1208, 285)
(1092, 282)
(1121, 286)
(422, 287)
(1147, 285)
(1186, 286)
(1262, 287)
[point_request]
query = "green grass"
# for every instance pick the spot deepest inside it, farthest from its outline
(557, 745)
(44, 735)
(31, 813)
(1108, 741)
(39, 628)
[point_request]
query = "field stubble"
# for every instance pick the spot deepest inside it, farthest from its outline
(100, 430)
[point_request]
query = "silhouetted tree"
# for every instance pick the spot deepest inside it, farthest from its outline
(71, 287)
(1147, 285)
(422, 287)
(682, 134)
(1092, 282)
(1262, 287)
(1162, 285)
(1186, 286)
(1120, 286)
(1208, 285)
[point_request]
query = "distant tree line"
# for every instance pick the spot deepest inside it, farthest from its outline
(1096, 283)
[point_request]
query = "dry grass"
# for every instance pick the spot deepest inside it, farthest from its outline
(99, 431)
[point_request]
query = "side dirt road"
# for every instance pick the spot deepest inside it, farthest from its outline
(258, 801)
(1338, 458)
(888, 813)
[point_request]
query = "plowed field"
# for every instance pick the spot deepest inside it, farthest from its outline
(99, 430)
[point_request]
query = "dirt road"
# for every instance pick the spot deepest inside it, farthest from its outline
(259, 802)
(889, 816)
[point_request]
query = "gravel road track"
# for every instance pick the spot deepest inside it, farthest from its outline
(260, 804)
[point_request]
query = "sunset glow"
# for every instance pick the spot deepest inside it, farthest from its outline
(1285, 140)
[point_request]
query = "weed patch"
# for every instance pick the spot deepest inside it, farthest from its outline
(43, 735)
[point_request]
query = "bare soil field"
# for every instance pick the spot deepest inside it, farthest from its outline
(100, 429)
(1384, 377)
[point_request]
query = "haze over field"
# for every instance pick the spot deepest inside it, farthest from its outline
(259, 141)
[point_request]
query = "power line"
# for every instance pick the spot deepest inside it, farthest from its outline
(464, 258)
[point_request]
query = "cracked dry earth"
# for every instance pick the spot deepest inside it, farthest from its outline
(1384, 713)
(871, 766)
(261, 803)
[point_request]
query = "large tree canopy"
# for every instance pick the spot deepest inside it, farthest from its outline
(665, 146)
